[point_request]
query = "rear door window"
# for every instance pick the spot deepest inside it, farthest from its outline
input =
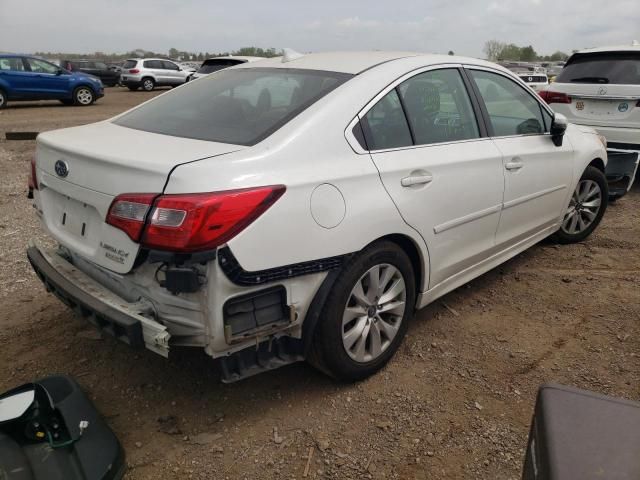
(512, 109)
(438, 107)
(154, 64)
(12, 64)
(234, 106)
(385, 124)
(606, 67)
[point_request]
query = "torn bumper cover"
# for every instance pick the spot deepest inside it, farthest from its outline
(128, 322)
(621, 169)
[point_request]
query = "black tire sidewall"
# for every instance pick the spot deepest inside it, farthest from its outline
(591, 173)
(4, 97)
(328, 335)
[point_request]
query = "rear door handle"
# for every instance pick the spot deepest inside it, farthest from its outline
(415, 180)
(514, 164)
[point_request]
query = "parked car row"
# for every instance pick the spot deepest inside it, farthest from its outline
(80, 82)
(28, 78)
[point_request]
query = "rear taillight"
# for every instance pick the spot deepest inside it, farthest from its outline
(190, 222)
(33, 179)
(554, 97)
(128, 212)
(134, 70)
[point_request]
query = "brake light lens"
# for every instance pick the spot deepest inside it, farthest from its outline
(128, 213)
(190, 222)
(554, 97)
(134, 70)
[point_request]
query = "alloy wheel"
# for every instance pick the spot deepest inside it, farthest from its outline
(373, 313)
(84, 96)
(147, 85)
(2, 100)
(583, 207)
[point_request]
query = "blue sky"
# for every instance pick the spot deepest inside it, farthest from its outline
(200, 25)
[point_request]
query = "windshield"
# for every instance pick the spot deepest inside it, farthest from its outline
(608, 67)
(210, 66)
(238, 106)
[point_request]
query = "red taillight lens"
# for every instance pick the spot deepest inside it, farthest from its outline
(554, 97)
(128, 213)
(203, 221)
(134, 70)
(189, 222)
(33, 179)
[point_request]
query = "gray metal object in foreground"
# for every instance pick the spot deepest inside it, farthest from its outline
(581, 435)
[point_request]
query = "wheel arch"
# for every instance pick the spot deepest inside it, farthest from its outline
(312, 317)
(597, 163)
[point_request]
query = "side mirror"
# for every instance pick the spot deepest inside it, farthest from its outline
(16, 403)
(558, 128)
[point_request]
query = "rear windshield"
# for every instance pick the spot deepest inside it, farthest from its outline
(607, 67)
(239, 106)
(210, 66)
(130, 64)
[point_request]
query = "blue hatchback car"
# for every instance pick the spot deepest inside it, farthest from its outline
(28, 78)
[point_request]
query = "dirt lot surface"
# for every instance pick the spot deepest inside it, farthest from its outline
(455, 402)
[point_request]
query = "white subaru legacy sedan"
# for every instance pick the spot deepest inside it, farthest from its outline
(304, 208)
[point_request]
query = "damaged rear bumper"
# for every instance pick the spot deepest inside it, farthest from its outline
(621, 169)
(128, 322)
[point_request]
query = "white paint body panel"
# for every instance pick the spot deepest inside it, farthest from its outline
(457, 222)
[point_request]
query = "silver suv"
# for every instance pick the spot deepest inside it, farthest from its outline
(149, 73)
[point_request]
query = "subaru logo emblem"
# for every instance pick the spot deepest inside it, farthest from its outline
(602, 90)
(61, 168)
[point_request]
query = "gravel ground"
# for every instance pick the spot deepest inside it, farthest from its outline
(455, 402)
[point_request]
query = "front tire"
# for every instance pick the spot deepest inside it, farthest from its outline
(3, 99)
(83, 96)
(366, 314)
(148, 84)
(586, 207)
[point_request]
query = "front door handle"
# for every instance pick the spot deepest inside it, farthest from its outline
(416, 180)
(514, 164)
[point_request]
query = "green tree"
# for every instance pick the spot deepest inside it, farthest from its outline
(173, 52)
(451, 52)
(528, 54)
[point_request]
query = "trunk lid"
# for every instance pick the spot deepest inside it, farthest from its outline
(81, 170)
(602, 104)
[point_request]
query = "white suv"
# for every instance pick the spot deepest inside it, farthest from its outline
(600, 87)
(303, 208)
(148, 73)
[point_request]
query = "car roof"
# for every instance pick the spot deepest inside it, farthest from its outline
(236, 57)
(356, 62)
(631, 47)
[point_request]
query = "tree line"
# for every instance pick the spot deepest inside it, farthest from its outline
(496, 50)
(173, 53)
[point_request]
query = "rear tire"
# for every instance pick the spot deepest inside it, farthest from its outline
(586, 208)
(148, 84)
(3, 99)
(362, 326)
(83, 96)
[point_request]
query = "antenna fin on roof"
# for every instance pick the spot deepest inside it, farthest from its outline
(289, 54)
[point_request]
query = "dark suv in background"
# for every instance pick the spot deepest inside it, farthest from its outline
(109, 77)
